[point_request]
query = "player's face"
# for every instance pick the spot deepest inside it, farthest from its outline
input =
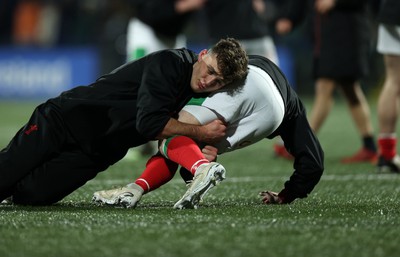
(206, 76)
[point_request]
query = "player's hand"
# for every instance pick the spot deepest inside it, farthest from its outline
(184, 6)
(324, 6)
(283, 26)
(212, 132)
(210, 152)
(259, 6)
(269, 197)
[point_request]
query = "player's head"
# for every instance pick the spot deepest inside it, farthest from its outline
(223, 64)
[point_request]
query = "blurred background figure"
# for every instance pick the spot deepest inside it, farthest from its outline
(389, 98)
(157, 25)
(341, 40)
(251, 22)
(35, 22)
(26, 22)
(246, 20)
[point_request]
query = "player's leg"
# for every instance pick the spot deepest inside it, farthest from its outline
(186, 152)
(59, 177)
(159, 171)
(323, 102)
(34, 144)
(388, 115)
(360, 112)
(389, 96)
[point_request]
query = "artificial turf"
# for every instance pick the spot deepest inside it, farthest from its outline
(353, 211)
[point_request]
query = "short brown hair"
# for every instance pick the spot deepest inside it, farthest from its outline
(232, 59)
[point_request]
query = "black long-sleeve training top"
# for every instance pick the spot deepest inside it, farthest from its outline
(130, 105)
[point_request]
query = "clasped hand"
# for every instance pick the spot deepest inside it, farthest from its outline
(213, 131)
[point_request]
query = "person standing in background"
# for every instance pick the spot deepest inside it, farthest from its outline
(35, 23)
(389, 46)
(245, 20)
(158, 25)
(250, 21)
(341, 44)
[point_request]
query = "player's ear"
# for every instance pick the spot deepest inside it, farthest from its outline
(202, 53)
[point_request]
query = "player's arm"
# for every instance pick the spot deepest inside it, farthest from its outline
(209, 133)
(164, 77)
(187, 117)
(206, 115)
(210, 152)
(302, 143)
(196, 122)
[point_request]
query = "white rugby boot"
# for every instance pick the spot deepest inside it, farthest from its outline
(207, 176)
(127, 196)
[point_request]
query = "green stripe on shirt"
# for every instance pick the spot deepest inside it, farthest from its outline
(196, 101)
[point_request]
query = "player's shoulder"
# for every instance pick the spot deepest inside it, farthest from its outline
(175, 55)
(260, 61)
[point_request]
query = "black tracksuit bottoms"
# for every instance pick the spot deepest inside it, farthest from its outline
(42, 164)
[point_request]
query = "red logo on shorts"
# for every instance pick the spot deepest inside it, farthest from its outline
(31, 129)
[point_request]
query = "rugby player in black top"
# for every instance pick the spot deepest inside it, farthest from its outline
(265, 107)
(71, 138)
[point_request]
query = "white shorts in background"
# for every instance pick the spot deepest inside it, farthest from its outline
(142, 40)
(264, 46)
(388, 39)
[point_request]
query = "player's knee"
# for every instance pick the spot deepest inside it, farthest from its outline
(350, 92)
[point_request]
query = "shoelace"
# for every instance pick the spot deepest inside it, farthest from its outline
(189, 183)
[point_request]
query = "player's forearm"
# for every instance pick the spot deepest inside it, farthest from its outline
(175, 127)
(208, 133)
(309, 168)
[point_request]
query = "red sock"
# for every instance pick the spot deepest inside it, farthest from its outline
(387, 147)
(184, 151)
(159, 171)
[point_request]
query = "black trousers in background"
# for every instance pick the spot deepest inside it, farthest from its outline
(42, 164)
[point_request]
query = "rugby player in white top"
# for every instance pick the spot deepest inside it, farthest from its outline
(266, 106)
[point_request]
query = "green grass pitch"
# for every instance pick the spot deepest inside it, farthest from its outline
(352, 212)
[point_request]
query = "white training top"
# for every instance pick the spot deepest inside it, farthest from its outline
(252, 114)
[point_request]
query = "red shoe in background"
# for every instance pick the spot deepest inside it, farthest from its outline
(363, 155)
(280, 151)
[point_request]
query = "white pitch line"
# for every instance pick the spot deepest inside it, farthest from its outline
(349, 177)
